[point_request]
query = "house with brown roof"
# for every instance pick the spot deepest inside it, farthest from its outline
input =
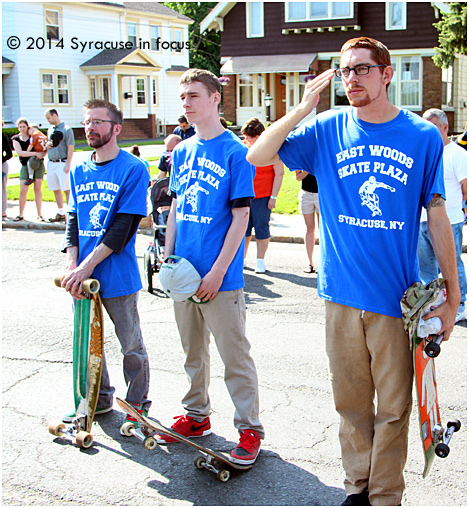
(269, 48)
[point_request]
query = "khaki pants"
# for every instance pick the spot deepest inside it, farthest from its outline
(225, 317)
(369, 355)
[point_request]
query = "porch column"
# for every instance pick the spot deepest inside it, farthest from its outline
(115, 90)
(150, 94)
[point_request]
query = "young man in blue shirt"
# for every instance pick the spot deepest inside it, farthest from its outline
(107, 201)
(212, 186)
(376, 166)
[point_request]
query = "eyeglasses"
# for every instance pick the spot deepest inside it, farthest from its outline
(95, 122)
(360, 70)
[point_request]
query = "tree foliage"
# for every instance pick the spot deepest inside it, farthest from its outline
(452, 34)
(204, 49)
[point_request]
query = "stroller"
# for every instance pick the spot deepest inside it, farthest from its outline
(154, 255)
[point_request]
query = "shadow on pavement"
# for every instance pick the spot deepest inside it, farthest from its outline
(271, 482)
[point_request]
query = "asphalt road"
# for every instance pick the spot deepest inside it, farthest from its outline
(300, 461)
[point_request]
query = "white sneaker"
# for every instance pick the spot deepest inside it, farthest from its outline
(461, 315)
(260, 268)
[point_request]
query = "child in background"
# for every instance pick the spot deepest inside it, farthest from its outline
(37, 143)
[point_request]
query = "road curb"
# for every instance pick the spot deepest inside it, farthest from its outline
(144, 231)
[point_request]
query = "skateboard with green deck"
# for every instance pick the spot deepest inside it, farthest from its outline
(88, 346)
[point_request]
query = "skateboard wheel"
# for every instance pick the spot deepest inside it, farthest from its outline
(432, 349)
(199, 462)
(456, 424)
(442, 450)
(126, 428)
(150, 443)
(84, 439)
(90, 286)
(56, 428)
(223, 475)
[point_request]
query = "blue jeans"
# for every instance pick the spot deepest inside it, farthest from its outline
(124, 314)
(429, 269)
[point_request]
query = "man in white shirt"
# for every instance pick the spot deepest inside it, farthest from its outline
(455, 167)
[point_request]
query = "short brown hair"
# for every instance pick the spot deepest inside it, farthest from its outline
(379, 52)
(253, 127)
(203, 76)
(115, 114)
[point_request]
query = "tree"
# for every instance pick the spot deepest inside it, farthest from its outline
(204, 50)
(452, 34)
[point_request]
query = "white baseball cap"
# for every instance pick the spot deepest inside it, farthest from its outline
(179, 279)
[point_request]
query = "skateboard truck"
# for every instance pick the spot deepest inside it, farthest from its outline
(210, 463)
(443, 437)
(74, 430)
(142, 433)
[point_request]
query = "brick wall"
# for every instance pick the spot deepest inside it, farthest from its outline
(431, 85)
(325, 99)
(229, 100)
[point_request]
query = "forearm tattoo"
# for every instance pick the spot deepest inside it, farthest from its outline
(436, 202)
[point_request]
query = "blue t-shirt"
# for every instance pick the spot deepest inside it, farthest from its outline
(188, 133)
(206, 176)
(373, 180)
(97, 194)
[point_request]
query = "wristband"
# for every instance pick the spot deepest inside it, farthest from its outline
(273, 197)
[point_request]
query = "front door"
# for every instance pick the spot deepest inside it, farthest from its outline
(127, 103)
(280, 96)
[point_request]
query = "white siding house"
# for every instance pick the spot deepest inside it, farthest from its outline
(59, 55)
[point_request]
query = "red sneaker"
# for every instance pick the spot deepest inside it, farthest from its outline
(248, 448)
(187, 427)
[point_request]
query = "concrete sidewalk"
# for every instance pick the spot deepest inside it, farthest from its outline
(283, 228)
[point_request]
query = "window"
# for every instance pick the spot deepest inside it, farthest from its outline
(177, 39)
(62, 89)
(48, 96)
(254, 19)
(396, 15)
(105, 88)
(155, 91)
(55, 88)
(447, 86)
(93, 88)
(405, 89)
(52, 18)
(154, 35)
(141, 99)
(251, 90)
(315, 11)
(132, 32)
(245, 90)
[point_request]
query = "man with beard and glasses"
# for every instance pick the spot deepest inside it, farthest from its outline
(107, 201)
(60, 145)
(369, 253)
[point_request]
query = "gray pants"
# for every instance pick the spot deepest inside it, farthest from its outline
(124, 314)
(225, 317)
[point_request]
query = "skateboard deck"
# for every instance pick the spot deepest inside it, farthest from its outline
(209, 459)
(435, 438)
(87, 364)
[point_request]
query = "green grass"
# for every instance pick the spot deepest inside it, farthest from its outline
(287, 202)
(13, 191)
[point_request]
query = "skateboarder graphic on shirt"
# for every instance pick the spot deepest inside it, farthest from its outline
(191, 195)
(369, 197)
(94, 215)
